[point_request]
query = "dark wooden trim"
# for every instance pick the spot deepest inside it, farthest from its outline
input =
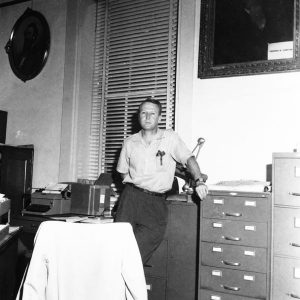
(12, 2)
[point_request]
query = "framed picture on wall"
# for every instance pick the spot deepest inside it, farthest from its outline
(243, 37)
(28, 45)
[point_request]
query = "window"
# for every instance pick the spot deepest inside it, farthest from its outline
(135, 57)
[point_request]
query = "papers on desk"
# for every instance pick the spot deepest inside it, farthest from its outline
(83, 219)
(97, 220)
(241, 186)
(3, 231)
(13, 229)
(71, 219)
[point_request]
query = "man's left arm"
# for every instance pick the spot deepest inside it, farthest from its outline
(194, 170)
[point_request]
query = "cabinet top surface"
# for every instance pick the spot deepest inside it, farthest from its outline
(239, 193)
(286, 155)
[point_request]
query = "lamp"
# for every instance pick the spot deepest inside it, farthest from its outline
(183, 173)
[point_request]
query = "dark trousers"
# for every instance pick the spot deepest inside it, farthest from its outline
(148, 216)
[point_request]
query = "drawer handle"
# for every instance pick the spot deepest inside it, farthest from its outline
(230, 288)
(295, 194)
(294, 296)
(232, 238)
(229, 263)
(232, 214)
(295, 244)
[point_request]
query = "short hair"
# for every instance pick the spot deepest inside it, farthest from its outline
(153, 101)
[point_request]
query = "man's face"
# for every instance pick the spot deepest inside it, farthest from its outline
(30, 34)
(149, 116)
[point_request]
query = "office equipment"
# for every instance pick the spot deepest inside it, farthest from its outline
(286, 251)
(89, 199)
(92, 199)
(235, 246)
(47, 204)
(3, 124)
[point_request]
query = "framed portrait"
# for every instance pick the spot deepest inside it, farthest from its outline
(29, 44)
(246, 37)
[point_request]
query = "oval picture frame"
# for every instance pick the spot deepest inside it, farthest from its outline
(29, 44)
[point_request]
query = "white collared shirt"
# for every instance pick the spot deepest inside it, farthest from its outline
(145, 168)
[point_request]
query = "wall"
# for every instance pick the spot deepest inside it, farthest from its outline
(78, 73)
(35, 107)
(45, 111)
(243, 119)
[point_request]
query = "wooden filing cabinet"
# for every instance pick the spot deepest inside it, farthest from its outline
(286, 235)
(171, 273)
(235, 246)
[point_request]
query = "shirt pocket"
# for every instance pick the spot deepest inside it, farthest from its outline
(162, 161)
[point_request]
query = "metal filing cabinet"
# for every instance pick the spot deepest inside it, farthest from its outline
(235, 246)
(286, 239)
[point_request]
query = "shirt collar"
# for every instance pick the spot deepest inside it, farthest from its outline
(138, 137)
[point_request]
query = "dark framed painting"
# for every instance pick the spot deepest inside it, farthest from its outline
(246, 37)
(29, 44)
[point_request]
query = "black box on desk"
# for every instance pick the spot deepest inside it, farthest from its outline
(90, 199)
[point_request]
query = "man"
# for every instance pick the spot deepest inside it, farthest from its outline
(147, 165)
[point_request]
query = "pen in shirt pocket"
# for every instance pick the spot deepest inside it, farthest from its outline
(160, 154)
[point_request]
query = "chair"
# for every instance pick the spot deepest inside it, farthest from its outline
(73, 261)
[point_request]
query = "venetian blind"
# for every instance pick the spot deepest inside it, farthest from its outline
(135, 57)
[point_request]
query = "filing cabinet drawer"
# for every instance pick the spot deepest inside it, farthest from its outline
(243, 283)
(287, 231)
(286, 186)
(156, 288)
(157, 264)
(286, 284)
(235, 232)
(234, 257)
(236, 208)
(211, 295)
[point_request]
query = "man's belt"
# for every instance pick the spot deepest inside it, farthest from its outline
(147, 191)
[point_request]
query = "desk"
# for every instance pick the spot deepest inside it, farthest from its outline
(31, 223)
(171, 273)
(8, 259)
